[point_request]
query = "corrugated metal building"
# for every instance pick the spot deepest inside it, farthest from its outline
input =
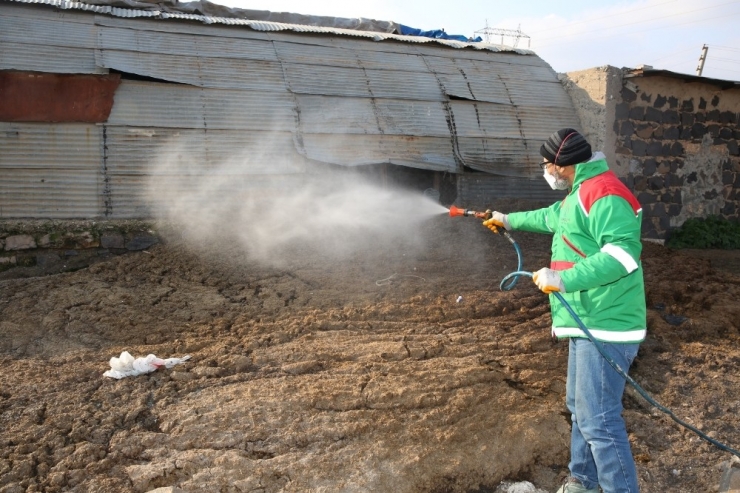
(92, 95)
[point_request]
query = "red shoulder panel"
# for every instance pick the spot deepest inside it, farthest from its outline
(601, 186)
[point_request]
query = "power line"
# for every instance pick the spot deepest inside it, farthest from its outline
(621, 13)
(725, 48)
(649, 20)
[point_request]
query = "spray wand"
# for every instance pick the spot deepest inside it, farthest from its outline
(456, 211)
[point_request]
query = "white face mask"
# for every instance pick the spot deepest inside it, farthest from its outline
(556, 183)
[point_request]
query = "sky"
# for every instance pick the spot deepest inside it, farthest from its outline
(570, 36)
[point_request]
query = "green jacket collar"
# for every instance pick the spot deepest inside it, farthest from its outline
(595, 166)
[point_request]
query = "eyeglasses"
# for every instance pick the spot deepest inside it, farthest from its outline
(545, 164)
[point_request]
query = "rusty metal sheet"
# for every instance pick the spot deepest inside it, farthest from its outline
(329, 115)
(431, 153)
(38, 97)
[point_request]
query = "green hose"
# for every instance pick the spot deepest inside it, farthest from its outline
(614, 365)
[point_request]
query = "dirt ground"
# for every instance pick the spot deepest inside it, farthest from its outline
(364, 374)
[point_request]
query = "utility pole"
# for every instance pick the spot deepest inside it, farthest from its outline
(702, 59)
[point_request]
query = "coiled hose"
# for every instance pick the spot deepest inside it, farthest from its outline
(514, 276)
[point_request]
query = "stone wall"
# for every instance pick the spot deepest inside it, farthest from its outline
(672, 139)
(30, 248)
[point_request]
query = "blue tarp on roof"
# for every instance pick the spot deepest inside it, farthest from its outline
(436, 34)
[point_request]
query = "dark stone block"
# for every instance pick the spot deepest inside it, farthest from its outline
(677, 197)
(736, 133)
(637, 113)
(672, 133)
(653, 115)
(629, 181)
(687, 119)
(646, 97)
(628, 95)
(671, 117)
(640, 183)
(664, 223)
(622, 151)
(713, 116)
(638, 147)
(621, 111)
(713, 130)
(649, 166)
(71, 253)
(649, 231)
(673, 102)
(732, 148)
(728, 177)
(686, 133)
(666, 198)
(656, 182)
(658, 210)
(674, 210)
(725, 133)
(728, 117)
(47, 259)
(677, 149)
(659, 101)
(687, 105)
(646, 198)
(654, 148)
(627, 128)
(658, 133)
(692, 178)
(111, 240)
(698, 130)
(702, 104)
(711, 194)
(730, 209)
(141, 242)
(715, 100)
(727, 165)
(736, 183)
(673, 180)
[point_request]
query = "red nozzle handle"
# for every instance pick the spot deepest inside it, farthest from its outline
(456, 211)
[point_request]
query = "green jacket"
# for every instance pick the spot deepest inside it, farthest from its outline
(596, 247)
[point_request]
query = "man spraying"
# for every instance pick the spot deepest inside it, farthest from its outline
(596, 267)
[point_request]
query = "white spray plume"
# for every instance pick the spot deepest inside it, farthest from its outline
(333, 214)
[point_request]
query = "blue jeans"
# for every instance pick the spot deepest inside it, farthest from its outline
(600, 452)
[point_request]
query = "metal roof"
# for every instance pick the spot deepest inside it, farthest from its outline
(648, 72)
(262, 98)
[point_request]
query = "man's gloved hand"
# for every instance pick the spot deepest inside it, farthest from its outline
(497, 220)
(548, 280)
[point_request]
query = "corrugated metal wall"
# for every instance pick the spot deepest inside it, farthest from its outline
(263, 103)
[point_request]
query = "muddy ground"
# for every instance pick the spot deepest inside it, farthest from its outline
(356, 375)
